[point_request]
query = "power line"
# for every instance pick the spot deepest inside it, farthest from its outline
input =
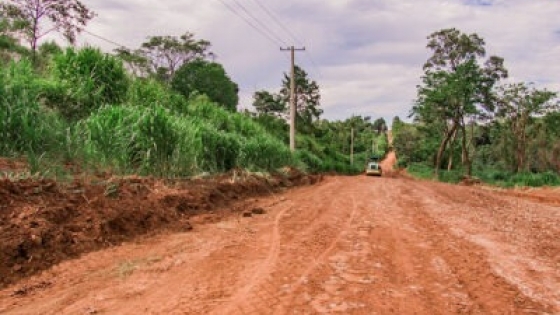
(249, 22)
(277, 21)
(309, 56)
(264, 26)
(274, 17)
(103, 38)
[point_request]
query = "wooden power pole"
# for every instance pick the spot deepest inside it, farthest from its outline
(292, 50)
(352, 147)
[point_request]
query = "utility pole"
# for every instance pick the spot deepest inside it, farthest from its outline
(292, 50)
(352, 147)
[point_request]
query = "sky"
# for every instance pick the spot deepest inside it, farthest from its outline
(366, 55)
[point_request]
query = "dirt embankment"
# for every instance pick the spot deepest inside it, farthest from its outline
(43, 223)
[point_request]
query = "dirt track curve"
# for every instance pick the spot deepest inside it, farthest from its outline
(348, 245)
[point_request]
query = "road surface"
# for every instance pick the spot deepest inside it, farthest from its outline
(348, 245)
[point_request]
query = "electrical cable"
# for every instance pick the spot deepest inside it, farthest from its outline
(103, 38)
(274, 17)
(264, 26)
(249, 23)
(277, 21)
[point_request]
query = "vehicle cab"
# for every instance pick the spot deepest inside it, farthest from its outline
(373, 168)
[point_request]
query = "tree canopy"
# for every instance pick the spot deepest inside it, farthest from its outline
(162, 56)
(209, 78)
(517, 104)
(266, 103)
(457, 89)
(68, 17)
(307, 100)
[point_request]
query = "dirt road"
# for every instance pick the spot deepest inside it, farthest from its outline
(348, 245)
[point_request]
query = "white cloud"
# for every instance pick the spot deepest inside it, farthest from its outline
(366, 55)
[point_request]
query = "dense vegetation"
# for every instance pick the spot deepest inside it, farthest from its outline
(163, 109)
(103, 119)
(341, 146)
(466, 122)
(85, 109)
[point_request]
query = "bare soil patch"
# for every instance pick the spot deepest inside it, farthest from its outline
(43, 222)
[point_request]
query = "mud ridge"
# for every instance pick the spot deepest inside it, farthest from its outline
(43, 223)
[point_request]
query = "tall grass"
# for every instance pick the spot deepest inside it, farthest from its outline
(154, 140)
(82, 81)
(26, 127)
(224, 120)
(148, 92)
(129, 139)
(264, 152)
(510, 179)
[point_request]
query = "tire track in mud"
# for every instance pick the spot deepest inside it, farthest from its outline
(228, 282)
(294, 228)
(360, 276)
(519, 237)
(319, 263)
(263, 269)
(466, 264)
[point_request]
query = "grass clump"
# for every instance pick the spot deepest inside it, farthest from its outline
(510, 179)
(27, 127)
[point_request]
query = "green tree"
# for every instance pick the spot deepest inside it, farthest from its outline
(457, 89)
(166, 54)
(517, 105)
(407, 142)
(68, 17)
(552, 121)
(307, 99)
(379, 125)
(396, 124)
(135, 60)
(9, 43)
(266, 103)
(207, 78)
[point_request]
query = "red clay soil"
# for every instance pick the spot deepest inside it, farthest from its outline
(11, 165)
(347, 245)
(43, 223)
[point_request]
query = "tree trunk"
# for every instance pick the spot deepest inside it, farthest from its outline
(442, 147)
(520, 153)
(450, 162)
(465, 152)
(520, 145)
(34, 40)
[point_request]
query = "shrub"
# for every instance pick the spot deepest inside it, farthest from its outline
(421, 170)
(149, 92)
(129, 138)
(26, 127)
(264, 152)
(207, 78)
(535, 179)
(84, 81)
(310, 160)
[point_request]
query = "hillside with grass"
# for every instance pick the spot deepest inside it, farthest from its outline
(83, 109)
